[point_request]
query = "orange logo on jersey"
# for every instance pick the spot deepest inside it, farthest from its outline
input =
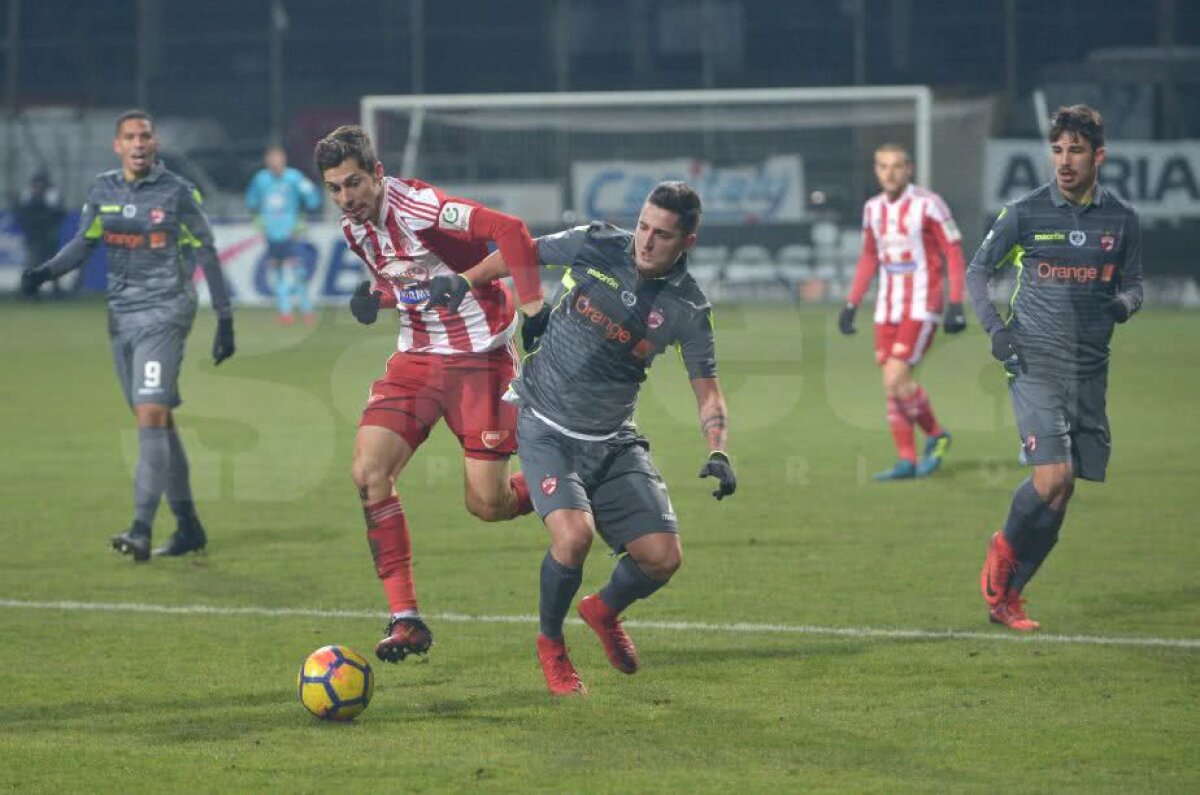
(1080, 274)
(613, 330)
(124, 239)
(491, 439)
(158, 240)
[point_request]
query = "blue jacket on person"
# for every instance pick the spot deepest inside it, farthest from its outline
(278, 199)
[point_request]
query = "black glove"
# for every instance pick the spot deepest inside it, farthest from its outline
(32, 279)
(364, 304)
(448, 291)
(956, 319)
(223, 346)
(1117, 309)
(532, 329)
(718, 467)
(1004, 349)
(846, 319)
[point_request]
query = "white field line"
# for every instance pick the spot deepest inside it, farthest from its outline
(676, 626)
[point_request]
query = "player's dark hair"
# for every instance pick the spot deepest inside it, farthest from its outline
(679, 198)
(1078, 120)
(135, 113)
(347, 141)
(894, 147)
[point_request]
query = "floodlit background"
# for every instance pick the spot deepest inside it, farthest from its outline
(226, 78)
(825, 632)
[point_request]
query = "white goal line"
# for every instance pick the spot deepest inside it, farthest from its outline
(677, 626)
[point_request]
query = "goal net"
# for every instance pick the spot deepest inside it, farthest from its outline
(782, 173)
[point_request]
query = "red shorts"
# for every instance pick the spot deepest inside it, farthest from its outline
(418, 389)
(907, 340)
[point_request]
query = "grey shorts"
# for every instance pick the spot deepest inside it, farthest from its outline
(614, 479)
(1064, 420)
(147, 361)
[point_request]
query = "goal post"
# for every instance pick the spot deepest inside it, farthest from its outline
(782, 172)
(919, 98)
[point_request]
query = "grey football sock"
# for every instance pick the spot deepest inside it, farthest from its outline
(149, 480)
(1027, 506)
(179, 487)
(628, 584)
(1037, 547)
(1031, 531)
(559, 586)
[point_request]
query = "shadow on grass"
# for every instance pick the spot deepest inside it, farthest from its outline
(222, 715)
(989, 471)
(703, 656)
(237, 714)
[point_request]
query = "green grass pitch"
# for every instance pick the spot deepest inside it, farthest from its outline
(110, 699)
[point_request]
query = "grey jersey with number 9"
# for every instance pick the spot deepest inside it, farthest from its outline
(606, 328)
(156, 233)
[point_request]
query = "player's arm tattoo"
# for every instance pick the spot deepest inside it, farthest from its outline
(714, 427)
(710, 403)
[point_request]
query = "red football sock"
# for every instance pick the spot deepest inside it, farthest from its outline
(391, 547)
(919, 408)
(902, 430)
(524, 502)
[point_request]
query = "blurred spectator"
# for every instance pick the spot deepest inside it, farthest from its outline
(277, 195)
(40, 216)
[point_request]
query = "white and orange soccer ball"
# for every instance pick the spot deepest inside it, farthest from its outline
(336, 683)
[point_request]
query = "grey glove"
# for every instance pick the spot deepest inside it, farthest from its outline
(1004, 349)
(846, 319)
(718, 467)
(364, 304)
(448, 291)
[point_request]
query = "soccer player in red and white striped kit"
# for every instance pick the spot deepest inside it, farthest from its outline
(907, 232)
(451, 365)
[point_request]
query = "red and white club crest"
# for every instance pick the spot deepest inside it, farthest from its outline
(1030, 443)
(549, 486)
(157, 215)
(654, 319)
(1107, 242)
(491, 439)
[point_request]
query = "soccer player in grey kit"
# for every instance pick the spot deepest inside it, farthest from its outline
(1078, 253)
(151, 222)
(627, 297)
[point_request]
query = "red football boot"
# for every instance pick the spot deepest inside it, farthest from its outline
(1011, 613)
(607, 626)
(998, 570)
(405, 636)
(561, 676)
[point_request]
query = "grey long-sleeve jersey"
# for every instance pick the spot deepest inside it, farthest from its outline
(1071, 260)
(156, 233)
(605, 330)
